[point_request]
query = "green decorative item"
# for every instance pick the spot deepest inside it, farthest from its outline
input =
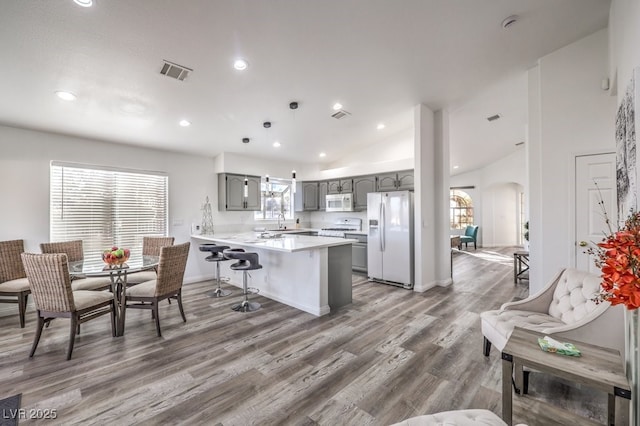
(548, 344)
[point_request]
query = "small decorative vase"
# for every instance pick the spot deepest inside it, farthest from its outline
(632, 360)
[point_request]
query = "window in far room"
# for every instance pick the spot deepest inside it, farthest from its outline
(461, 206)
(277, 198)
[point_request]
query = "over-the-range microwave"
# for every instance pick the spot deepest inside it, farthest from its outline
(339, 202)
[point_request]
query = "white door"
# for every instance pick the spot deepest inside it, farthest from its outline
(595, 196)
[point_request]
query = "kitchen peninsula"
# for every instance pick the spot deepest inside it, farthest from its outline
(309, 273)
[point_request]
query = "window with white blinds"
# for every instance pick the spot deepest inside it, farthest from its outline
(104, 207)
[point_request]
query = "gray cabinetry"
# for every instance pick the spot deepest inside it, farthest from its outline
(405, 180)
(231, 192)
(362, 185)
(339, 186)
(358, 252)
(322, 195)
(396, 181)
(306, 197)
(387, 181)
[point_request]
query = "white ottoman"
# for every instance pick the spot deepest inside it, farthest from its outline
(455, 418)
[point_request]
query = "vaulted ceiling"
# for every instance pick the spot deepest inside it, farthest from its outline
(378, 58)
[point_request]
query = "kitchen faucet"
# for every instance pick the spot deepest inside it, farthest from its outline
(280, 215)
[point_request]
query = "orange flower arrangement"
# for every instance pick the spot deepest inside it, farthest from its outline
(618, 256)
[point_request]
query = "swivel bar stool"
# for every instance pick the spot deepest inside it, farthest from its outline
(246, 262)
(216, 256)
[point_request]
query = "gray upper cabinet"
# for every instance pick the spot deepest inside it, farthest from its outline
(322, 195)
(396, 181)
(306, 197)
(231, 192)
(405, 180)
(339, 186)
(362, 185)
(387, 181)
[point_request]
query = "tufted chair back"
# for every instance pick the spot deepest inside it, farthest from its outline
(572, 297)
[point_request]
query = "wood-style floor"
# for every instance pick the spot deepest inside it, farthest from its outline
(391, 355)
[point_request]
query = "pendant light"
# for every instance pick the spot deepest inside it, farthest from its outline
(293, 180)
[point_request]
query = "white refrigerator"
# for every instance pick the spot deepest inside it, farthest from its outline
(390, 242)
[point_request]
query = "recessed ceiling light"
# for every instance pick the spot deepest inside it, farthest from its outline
(337, 106)
(509, 20)
(240, 64)
(84, 3)
(276, 144)
(455, 167)
(322, 154)
(185, 123)
(380, 126)
(66, 96)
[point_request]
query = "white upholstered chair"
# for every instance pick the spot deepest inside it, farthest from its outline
(563, 309)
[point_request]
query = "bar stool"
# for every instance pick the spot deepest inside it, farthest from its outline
(216, 256)
(247, 261)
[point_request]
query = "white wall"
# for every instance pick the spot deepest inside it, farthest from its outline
(575, 116)
(393, 153)
(25, 156)
(624, 33)
(501, 214)
(495, 197)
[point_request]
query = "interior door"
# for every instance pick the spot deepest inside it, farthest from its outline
(595, 182)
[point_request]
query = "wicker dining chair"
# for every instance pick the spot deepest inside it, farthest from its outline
(150, 247)
(147, 295)
(50, 283)
(74, 251)
(14, 286)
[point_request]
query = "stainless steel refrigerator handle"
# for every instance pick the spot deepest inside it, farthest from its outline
(383, 231)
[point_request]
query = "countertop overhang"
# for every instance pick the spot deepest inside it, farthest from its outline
(287, 242)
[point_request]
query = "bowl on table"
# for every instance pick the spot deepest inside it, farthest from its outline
(116, 256)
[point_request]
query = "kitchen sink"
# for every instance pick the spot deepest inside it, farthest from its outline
(269, 235)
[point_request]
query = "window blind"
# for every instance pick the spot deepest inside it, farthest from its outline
(104, 207)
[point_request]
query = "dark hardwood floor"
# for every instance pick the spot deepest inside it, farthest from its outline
(390, 355)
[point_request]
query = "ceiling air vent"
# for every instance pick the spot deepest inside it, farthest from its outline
(494, 117)
(340, 114)
(176, 71)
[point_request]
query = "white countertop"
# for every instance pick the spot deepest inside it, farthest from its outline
(288, 242)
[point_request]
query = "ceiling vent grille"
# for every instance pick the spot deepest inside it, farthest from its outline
(494, 117)
(340, 114)
(176, 71)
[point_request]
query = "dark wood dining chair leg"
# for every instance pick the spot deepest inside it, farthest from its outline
(22, 308)
(36, 339)
(157, 317)
(72, 334)
(113, 318)
(486, 346)
(179, 297)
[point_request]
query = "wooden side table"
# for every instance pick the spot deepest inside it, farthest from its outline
(598, 367)
(520, 265)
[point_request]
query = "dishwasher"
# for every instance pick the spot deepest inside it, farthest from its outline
(358, 252)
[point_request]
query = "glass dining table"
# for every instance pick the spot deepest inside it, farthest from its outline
(118, 276)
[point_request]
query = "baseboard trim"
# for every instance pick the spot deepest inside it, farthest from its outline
(421, 288)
